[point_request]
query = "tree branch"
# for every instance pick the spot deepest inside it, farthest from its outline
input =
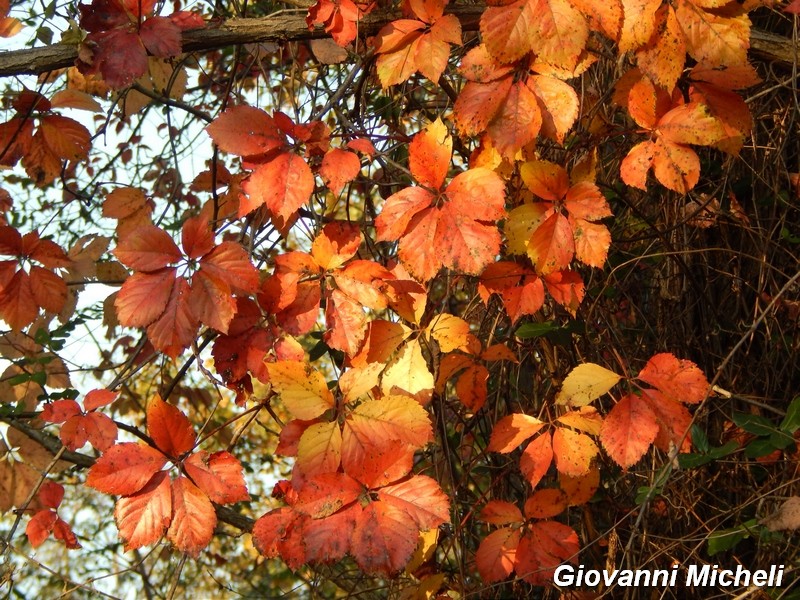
(286, 26)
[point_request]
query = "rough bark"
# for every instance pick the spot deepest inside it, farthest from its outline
(291, 25)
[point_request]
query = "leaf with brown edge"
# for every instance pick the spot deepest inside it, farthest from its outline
(302, 389)
(193, 518)
(500, 512)
(384, 539)
(372, 465)
(628, 430)
(536, 458)
(543, 548)
(573, 451)
(510, 431)
(320, 449)
(421, 497)
(496, 555)
(170, 428)
(144, 517)
(218, 475)
(125, 468)
(679, 380)
(325, 493)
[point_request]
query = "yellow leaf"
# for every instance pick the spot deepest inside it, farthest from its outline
(408, 372)
(585, 383)
(302, 389)
(425, 547)
(320, 449)
(451, 332)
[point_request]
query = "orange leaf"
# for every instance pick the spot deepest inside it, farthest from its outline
(638, 23)
(39, 527)
(384, 539)
(18, 306)
(60, 410)
(324, 494)
(148, 248)
(336, 244)
(545, 503)
(218, 475)
(144, 517)
(573, 451)
(246, 131)
(100, 430)
(496, 554)
(509, 432)
(552, 245)
(283, 184)
(176, 328)
(536, 458)
(229, 262)
(517, 122)
(547, 180)
(429, 154)
(580, 489)
(144, 297)
(193, 518)
(48, 289)
(98, 398)
(545, 546)
(328, 540)
(211, 301)
(499, 512)
(170, 429)
(125, 468)
(392, 418)
(628, 430)
(421, 497)
(339, 167)
(678, 380)
(713, 38)
(674, 421)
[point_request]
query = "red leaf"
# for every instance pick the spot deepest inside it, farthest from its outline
(51, 494)
(142, 518)
(384, 539)
(218, 475)
(148, 248)
(339, 167)
(73, 433)
(543, 548)
(18, 307)
(170, 429)
(324, 494)
(229, 262)
(499, 512)
(283, 184)
(328, 540)
(536, 458)
(161, 36)
(678, 380)
(272, 529)
(628, 430)
(176, 328)
(246, 131)
(125, 468)
(60, 410)
(193, 518)
(421, 497)
(98, 398)
(63, 532)
(100, 430)
(144, 297)
(48, 289)
(40, 526)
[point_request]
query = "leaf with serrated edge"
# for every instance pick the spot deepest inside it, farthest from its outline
(509, 432)
(145, 516)
(585, 383)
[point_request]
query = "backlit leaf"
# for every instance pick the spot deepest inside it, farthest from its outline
(586, 383)
(143, 518)
(628, 430)
(125, 468)
(193, 518)
(509, 432)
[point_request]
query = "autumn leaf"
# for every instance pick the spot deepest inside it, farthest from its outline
(384, 539)
(585, 383)
(511, 431)
(628, 430)
(678, 380)
(460, 234)
(496, 555)
(543, 548)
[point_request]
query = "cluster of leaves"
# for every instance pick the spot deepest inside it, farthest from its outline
(518, 216)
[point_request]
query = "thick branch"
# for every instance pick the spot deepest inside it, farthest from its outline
(287, 26)
(225, 514)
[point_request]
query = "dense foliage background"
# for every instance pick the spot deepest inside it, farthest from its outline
(402, 300)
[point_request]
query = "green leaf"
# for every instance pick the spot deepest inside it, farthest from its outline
(533, 330)
(726, 539)
(791, 422)
(758, 448)
(700, 439)
(754, 424)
